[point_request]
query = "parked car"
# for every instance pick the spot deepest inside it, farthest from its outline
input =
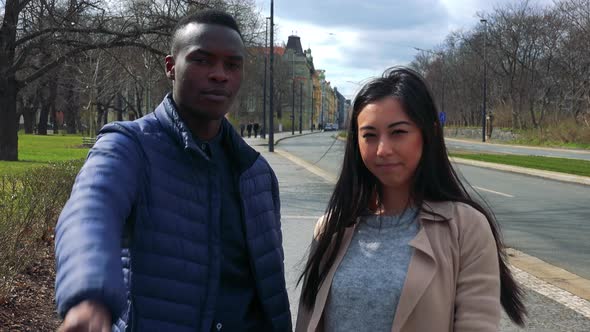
(330, 126)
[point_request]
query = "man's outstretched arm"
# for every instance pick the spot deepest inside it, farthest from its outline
(89, 230)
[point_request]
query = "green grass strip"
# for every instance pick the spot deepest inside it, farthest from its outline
(563, 165)
(39, 150)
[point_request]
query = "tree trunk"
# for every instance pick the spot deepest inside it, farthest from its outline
(43, 118)
(8, 119)
(46, 107)
(70, 110)
(8, 83)
(119, 107)
(54, 119)
(29, 119)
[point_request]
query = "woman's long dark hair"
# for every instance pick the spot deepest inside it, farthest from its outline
(435, 180)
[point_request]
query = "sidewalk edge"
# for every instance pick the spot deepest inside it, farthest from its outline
(551, 274)
(563, 177)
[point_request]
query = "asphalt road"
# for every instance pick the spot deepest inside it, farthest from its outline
(543, 218)
(474, 146)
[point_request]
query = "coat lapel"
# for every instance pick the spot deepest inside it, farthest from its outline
(323, 292)
(420, 273)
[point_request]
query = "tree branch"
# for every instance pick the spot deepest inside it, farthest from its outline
(71, 53)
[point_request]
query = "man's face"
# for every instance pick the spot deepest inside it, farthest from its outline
(206, 70)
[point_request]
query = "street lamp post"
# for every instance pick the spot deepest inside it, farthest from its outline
(271, 142)
(312, 107)
(264, 92)
(485, 69)
(300, 107)
(293, 93)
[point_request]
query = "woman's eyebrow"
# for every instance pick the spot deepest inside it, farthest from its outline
(391, 125)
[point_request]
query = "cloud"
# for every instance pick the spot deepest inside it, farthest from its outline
(355, 40)
(373, 14)
(351, 54)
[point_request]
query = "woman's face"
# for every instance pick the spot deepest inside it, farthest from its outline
(390, 143)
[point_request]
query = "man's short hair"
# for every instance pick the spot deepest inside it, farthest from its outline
(208, 16)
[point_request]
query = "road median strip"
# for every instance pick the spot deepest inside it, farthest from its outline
(558, 176)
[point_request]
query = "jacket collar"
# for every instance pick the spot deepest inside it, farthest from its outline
(433, 211)
(423, 264)
(241, 154)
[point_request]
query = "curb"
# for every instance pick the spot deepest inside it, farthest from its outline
(551, 274)
(296, 135)
(557, 176)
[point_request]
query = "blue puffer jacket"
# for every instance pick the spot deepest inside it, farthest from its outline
(141, 232)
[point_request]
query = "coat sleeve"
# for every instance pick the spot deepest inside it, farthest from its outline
(89, 229)
(277, 208)
(477, 302)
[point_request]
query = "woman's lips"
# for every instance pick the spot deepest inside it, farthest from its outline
(388, 165)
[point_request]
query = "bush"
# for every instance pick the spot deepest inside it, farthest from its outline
(29, 207)
(563, 133)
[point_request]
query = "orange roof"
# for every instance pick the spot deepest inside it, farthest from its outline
(260, 50)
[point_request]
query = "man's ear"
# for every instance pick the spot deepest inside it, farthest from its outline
(170, 67)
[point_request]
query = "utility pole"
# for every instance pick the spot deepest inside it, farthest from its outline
(271, 135)
(293, 93)
(264, 92)
(312, 107)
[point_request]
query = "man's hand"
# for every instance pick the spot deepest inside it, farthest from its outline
(87, 316)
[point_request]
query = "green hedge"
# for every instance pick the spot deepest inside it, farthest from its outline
(30, 204)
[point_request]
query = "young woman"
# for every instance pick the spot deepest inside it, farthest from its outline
(402, 246)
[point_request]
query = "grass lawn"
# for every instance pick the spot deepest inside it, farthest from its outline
(563, 165)
(37, 150)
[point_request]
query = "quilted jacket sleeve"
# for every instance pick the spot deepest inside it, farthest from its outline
(277, 207)
(89, 229)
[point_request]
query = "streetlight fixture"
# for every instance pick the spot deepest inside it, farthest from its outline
(485, 69)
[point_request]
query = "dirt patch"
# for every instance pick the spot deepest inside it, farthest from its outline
(30, 305)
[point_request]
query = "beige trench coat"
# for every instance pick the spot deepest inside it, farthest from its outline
(453, 280)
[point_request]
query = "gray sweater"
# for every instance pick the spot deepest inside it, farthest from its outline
(368, 283)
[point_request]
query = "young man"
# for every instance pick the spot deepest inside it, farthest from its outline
(174, 222)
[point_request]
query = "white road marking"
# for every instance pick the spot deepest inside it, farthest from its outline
(493, 192)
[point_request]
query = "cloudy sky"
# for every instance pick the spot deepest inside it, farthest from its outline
(353, 40)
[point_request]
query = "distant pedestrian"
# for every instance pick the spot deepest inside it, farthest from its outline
(402, 246)
(242, 127)
(256, 128)
(249, 129)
